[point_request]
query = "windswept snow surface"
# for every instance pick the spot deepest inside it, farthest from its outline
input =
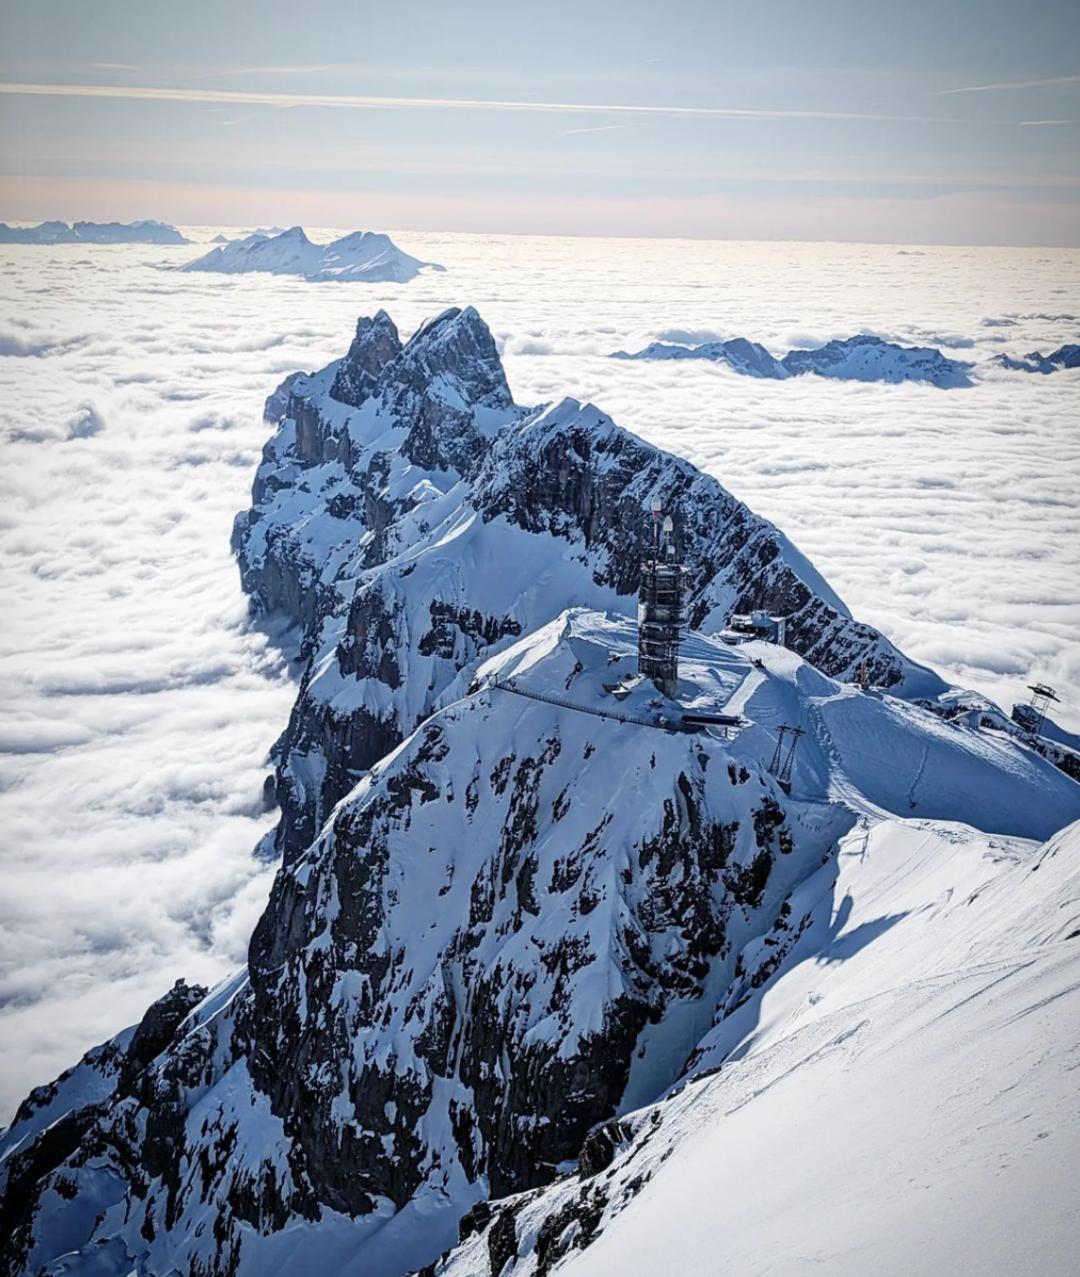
(363, 255)
(901, 1097)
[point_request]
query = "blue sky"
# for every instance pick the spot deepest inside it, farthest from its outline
(950, 122)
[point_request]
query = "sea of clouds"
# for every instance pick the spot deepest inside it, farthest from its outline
(139, 702)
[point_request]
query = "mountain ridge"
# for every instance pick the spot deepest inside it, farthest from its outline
(144, 232)
(865, 357)
(500, 926)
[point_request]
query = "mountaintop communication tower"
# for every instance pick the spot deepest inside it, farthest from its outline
(660, 607)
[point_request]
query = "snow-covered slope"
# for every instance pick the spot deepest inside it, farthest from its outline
(511, 907)
(861, 358)
(903, 1096)
(519, 924)
(363, 255)
(145, 232)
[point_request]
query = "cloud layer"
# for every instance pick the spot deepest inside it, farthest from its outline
(139, 704)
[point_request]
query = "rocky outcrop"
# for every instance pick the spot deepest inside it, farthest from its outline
(375, 345)
(156, 1031)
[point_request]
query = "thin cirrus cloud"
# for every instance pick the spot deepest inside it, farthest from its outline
(1055, 82)
(355, 101)
(596, 128)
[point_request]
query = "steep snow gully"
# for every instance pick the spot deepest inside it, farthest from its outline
(538, 990)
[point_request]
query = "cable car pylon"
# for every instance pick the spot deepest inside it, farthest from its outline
(781, 764)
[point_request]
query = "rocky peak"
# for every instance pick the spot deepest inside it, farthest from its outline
(457, 347)
(375, 345)
(449, 384)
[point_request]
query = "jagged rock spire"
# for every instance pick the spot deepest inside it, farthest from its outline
(375, 345)
(458, 344)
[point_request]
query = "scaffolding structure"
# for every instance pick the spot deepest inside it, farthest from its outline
(1042, 697)
(661, 599)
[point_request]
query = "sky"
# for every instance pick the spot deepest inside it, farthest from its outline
(952, 122)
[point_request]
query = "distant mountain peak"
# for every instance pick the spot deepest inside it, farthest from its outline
(1067, 356)
(864, 357)
(146, 231)
(360, 256)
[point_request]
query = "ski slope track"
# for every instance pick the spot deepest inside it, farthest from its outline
(538, 989)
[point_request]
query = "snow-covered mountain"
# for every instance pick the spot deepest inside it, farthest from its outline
(513, 909)
(867, 358)
(1067, 356)
(363, 255)
(861, 358)
(262, 232)
(380, 570)
(145, 232)
(746, 357)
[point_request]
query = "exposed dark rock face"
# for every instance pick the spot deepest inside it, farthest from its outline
(26, 1172)
(502, 1242)
(585, 478)
(109, 1086)
(599, 1148)
(353, 1073)
(534, 1112)
(375, 345)
(474, 1220)
(157, 1029)
(277, 402)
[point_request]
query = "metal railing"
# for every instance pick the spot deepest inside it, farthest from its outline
(657, 724)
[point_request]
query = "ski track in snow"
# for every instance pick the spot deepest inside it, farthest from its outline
(138, 704)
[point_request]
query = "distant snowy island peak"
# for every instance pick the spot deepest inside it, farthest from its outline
(865, 357)
(261, 232)
(1067, 356)
(364, 256)
(145, 232)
